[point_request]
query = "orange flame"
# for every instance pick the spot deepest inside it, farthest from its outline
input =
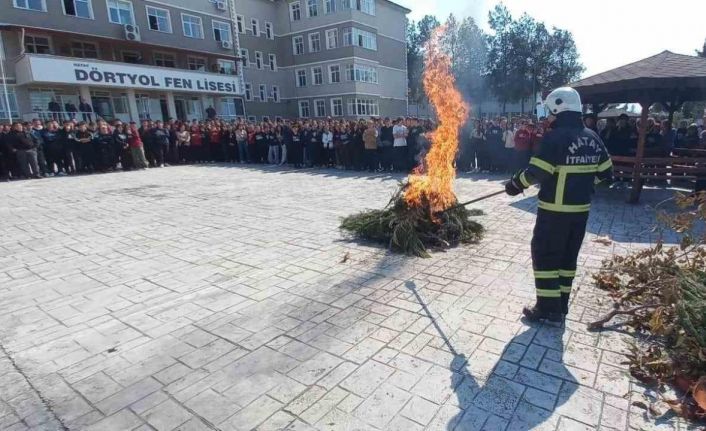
(432, 181)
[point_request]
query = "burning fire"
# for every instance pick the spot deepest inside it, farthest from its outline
(432, 181)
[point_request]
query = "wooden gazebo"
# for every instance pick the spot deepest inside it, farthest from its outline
(668, 78)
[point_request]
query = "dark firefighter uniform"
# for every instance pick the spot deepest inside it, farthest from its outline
(571, 160)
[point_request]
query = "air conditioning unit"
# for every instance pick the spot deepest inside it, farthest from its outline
(226, 44)
(221, 5)
(132, 32)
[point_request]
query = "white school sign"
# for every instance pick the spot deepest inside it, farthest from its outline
(32, 68)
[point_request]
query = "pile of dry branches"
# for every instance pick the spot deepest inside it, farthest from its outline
(414, 230)
(661, 293)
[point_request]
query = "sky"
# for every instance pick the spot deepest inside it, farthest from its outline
(608, 33)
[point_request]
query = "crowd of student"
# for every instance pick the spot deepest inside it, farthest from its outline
(38, 149)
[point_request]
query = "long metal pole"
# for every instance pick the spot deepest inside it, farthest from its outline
(5, 91)
(472, 201)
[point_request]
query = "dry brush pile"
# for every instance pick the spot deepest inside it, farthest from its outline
(660, 292)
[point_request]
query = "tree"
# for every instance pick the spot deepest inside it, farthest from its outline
(524, 57)
(499, 53)
(417, 35)
(702, 53)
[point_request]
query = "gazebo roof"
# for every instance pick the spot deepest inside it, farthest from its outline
(665, 77)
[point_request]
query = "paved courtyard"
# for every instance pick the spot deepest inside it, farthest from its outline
(225, 298)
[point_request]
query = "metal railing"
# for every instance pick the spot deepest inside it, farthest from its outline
(61, 116)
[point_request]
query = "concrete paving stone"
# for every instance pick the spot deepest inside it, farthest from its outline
(499, 396)
(122, 420)
(311, 371)
(166, 416)
(201, 295)
(128, 395)
(252, 415)
(367, 378)
(382, 405)
(419, 410)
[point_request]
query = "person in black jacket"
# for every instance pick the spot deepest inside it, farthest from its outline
(54, 149)
(84, 156)
(145, 132)
(571, 159)
(68, 144)
(104, 147)
(122, 148)
(24, 145)
(160, 141)
(86, 110)
(295, 150)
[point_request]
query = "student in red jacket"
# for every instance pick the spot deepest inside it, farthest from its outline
(196, 152)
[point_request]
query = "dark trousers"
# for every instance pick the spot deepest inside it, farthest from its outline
(27, 159)
(555, 248)
(371, 159)
(400, 161)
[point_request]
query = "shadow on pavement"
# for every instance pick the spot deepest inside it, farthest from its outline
(489, 404)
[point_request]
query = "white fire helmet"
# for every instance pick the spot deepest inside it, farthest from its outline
(563, 99)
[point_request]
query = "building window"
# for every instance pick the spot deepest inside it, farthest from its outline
(332, 38)
(240, 24)
(221, 31)
(317, 75)
(226, 67)
(329, 6)
(132, 57)
(12, 109)
(244, 57)
(363, 107)
(273, 62)
(337, 107)
(84, 49)
(269, 30)
(37, 44)
(301, 78)
(298, 45)
(357, 37)
(159, 19)
(367, 74)
(295, 11)
(164, 59)
(255, 27)
(120, 12)
(248, 91)
(314, 42)
(78, 8)
(334, 74)
(38, 5)
(304, 109)
(196, 63)
(258, 59)
(350, 72)
(263, 92)
(365, 6)
(320, 107)
(192, 26)
(275, 93)
(312, 8)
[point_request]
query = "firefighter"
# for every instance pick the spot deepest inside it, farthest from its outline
(570, 161)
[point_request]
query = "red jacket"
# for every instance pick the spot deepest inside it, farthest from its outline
(134, 140)
(523, 140)
(196, 140)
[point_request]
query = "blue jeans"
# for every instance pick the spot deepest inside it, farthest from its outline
(243, 151)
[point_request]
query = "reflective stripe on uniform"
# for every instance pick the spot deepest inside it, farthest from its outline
(525, 182)
(564, 208)
(546, 274)
(567, 274)
(560, 186)
(565, 289)
(605, 165)
(549, 293)
(541, 164)
(577, 169)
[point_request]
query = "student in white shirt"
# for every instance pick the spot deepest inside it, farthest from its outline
(399, 145)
